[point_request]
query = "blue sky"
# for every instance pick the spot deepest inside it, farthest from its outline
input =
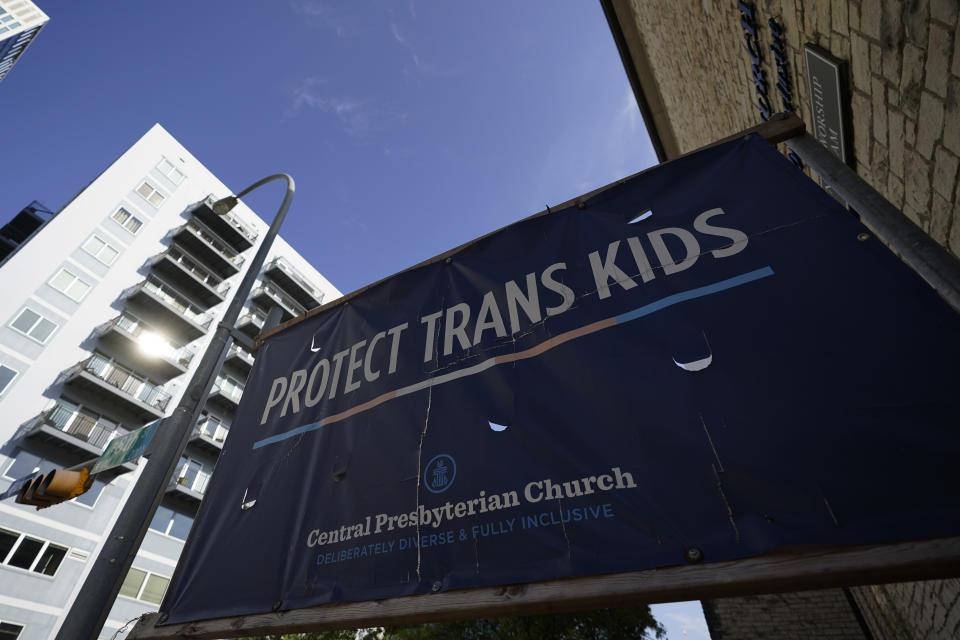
(410, 127)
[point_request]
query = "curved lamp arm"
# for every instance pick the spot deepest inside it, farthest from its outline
(222, 207)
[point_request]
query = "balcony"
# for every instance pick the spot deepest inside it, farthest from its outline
(190, 277)
(210, 434)
(116, 386)
(267, 296)
(164, 306)
(225, 393)
(239, 358)
(290, 280)
(144, 348)
(212, 250)
(189, 482)
(237, 233)
(251, 323)
(82, 433)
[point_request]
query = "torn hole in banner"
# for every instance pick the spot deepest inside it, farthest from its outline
(249, 501)
(258, 480)
(640, 217)
(500, 416)
(693, 353)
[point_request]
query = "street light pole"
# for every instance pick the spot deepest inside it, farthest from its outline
(95, 598)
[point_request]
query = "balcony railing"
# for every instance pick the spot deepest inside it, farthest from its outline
(241, 353)
(287, 304)
(281, 263)
(227, 388)
(254, 317)
(126, 381)
(136, 328)
(242, 227)
(212, 429)
(251, 323)
(236, 351)
(198, 482)
(215, 243)
(81, 424)
(200, 273)
(314, 296)
(178, 302)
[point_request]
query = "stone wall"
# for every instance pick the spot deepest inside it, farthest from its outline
(906, 611)
(903, 81)
(801, 615)
(904, 85)
(911, 610)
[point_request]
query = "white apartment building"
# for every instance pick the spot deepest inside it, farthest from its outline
(20, 22)
(105, 311)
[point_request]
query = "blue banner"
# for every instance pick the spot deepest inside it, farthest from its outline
(710, 360)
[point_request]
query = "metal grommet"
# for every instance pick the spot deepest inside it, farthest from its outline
(276, 606)
(693, 555)
(862, 237)
(436, 586)
(163, 618)
(581, 205)
(448, 260)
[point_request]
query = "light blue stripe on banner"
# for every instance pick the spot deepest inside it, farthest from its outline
(699, 292)
(313, 426)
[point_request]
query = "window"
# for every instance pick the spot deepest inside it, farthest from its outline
(171, 523)
(10, 631)
(127, 220)
(161, 519)
(29, 553)
(6, 377)
(189, 470)
(150, 194)
(99, 249)
(70, 284)
(180, 526)
(166, 168)
(31, 323)
(144, 585)
(25, 464)
(90, 497)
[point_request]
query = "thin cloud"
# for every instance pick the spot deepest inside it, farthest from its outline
(357, 118)
(628, 117)
(399, 37)
(422, 66)
(323, 15)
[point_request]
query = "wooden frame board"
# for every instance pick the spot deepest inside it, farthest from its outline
(786, 570)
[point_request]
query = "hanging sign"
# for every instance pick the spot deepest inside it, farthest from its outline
(123, 449)
(706, 362)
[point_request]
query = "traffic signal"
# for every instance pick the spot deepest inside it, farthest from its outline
(55, 487)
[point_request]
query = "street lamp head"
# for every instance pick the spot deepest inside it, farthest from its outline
(223, 206)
